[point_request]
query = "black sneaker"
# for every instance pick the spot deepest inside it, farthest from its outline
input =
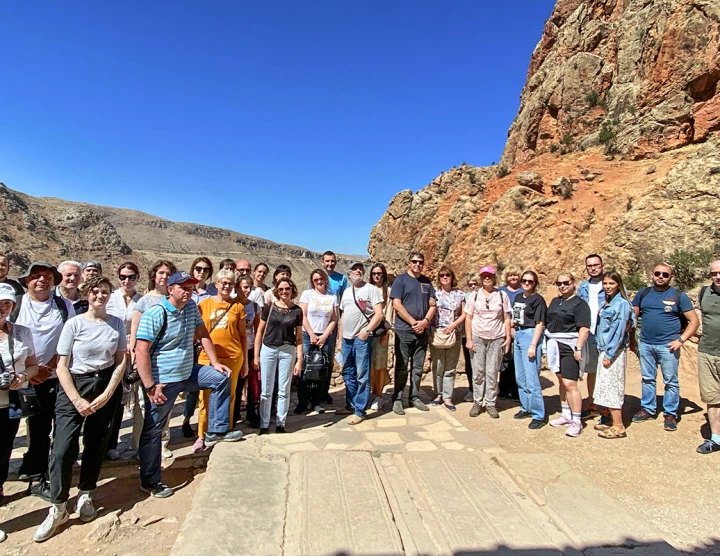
(280, 429)
(158, 490)
(264, 430)
(536, 424)
(670, 423)
(708, 447)
(41, 489)
(522, 414)
(188, 431)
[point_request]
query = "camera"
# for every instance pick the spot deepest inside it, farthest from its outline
(6, 378)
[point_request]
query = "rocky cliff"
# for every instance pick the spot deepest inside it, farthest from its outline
(615, 149)
(54, 229)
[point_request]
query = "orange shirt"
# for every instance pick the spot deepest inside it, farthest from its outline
(228, 328)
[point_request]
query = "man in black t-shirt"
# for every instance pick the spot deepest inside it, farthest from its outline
(411, 294)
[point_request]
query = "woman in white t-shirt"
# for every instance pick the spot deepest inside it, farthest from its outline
(319, 324)
(17, 354)
(91, 363)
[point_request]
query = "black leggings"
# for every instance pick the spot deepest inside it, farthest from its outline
(8, 430)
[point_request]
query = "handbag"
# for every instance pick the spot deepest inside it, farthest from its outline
(132, 375)
(443, 341)
(381, 329)
(197, 347)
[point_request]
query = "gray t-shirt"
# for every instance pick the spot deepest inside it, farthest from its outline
(92, 345)
(147, 301)
(353, 320)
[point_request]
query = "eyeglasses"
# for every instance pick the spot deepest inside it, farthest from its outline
(593, 265)
(714, 273)
(376, 273)
(563, 283)
(202, 269)
(444, 275)
(417, 262)
(227, 284)
(526, 281)
(280, 290)
(131, 277)
(243, 270)
(657, 274)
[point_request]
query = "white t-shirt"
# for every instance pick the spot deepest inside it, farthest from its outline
(593, 292)
(256, 295)
(116, 307)
(45, 321)
(320, 309)
(23, 348)
(353, 321)
(92, 345)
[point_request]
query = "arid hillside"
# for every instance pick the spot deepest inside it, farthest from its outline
(54, 229)
(615, 149)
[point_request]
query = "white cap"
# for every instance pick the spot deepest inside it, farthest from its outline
(7, 292)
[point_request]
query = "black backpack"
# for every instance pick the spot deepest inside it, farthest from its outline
(59, 302)
(316, 365)
(683, 319)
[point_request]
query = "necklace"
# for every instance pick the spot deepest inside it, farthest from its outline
(563, 300)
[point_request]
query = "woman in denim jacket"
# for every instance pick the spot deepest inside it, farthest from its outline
(615, 321)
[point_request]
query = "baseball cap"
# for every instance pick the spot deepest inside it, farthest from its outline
(355, 263)
(181, 277)
(7, 293)
(487, 270)
(37, 266)
(92, 264)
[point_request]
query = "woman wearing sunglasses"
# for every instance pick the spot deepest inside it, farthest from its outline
(528, 315)
(278, 350)
(379, 376)
(568, 327)
(121, 305)
(202, 270)
(487, 328)
(447, 322)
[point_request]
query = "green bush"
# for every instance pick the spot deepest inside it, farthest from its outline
(472, 177)
(567, 139)
(690, 266)
(608, 136)
(593, 99)
(502, 171)
(635, 281)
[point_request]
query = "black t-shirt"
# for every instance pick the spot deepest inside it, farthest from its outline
(414, 294)
(567, 315)
(280, 329)
(15, 285)
(528, 311)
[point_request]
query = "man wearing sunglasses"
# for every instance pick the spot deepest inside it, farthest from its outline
(662, 308)
(411, 294)
(709, 357)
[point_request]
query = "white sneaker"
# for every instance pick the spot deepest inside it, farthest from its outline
(84, 507)
(166, 452)
(48, 527)
(377, 404)
(3, 536)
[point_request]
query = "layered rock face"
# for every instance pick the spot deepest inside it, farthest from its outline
(615, 150)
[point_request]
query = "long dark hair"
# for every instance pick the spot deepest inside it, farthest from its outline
(384, 283)
(615, 277)
(207, 262)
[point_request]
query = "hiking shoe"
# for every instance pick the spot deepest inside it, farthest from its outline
(469, 397)
(708, 447)
(112, 455)
(84, 506)
(212, 438)
(417, 403)
(522, 414)
(264, 430)
(475, 410)
(574, 429)
(48, 527)
(536, 424)
(398, 407)
(641, 416)
(492, 412)
(158, 490)
(355, 420)
(561, 421)
(198, 446)
(41, 489)
(187, 430)
(670, 423)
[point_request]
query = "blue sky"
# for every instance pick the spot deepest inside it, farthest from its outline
(294, 121)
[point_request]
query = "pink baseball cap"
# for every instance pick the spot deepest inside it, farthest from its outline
(487, 270)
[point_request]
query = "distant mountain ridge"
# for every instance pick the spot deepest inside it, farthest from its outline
(48, 228)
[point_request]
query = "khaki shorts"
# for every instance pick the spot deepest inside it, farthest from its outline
(709, 378)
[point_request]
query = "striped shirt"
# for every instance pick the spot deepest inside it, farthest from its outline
(172, 359)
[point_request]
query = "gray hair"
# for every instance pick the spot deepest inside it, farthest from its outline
(68, 263)
(225, 273)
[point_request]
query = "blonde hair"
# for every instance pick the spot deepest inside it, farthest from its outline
(566, 273)
(225, 273)
(509, 271)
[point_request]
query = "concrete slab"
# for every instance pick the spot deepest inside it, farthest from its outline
(225, 508)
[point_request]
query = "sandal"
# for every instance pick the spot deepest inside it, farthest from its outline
(602, 427)
(613, 433)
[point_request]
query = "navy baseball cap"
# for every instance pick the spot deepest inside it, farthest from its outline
(181, 277)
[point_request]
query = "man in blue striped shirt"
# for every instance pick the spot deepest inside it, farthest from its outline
(165, 362)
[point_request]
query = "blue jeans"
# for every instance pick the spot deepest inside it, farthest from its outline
(357, 355)
(280, 360)
(202, 378)
(650, 357)
(527, 373)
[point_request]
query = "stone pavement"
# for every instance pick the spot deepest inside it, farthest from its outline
(417, 484)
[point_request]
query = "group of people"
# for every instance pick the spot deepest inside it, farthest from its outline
(75, 351)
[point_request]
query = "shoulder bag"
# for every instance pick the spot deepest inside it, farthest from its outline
(131, 373)
(381, 330)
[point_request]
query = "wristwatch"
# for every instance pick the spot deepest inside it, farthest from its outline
(681, 340)
(578, 348)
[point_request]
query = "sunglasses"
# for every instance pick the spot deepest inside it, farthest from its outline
(318, 280)
(714, 273)
(444, 275)
(657, 274)
(202, 269)
(472, 284)
(131, 277)
(563, 283)
(417, 262)
(284, 290)
(526, 281)
(376, 273)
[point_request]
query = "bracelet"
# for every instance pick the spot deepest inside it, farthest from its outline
(680, 339)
